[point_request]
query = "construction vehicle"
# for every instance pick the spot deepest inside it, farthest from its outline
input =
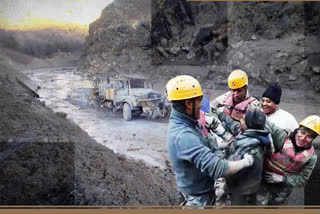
(134, 96)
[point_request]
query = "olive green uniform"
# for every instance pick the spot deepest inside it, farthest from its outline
(278, 193)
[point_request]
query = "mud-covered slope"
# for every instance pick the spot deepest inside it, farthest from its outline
(46, 159)
(271, 41)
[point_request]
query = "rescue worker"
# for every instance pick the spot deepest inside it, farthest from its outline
(253, 139)
(291, 163)
(270, 106)
(194, 164)
(236, 101)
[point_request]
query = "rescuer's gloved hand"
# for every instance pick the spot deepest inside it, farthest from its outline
(271, 177)
(248, 159)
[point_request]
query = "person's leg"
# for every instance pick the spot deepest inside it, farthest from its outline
(263, 195)
(222, 198)
(280, 196)
(200, 200)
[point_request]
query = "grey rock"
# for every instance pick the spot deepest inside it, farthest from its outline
(254, 37)
(237, 45)
(316, 69)
(281, 55)
(293, 77)
(61, 114)
(162, 51)
(175, 50)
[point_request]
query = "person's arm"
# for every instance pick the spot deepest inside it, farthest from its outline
(278, 136)
(214, 125)
(236, 166)
(294, 180)
(190, 148)
(300, 179)
(232, 126)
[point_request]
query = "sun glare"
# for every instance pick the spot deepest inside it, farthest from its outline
(35, 14)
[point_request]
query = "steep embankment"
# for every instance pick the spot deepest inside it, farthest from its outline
(46, 159)
(271, 41)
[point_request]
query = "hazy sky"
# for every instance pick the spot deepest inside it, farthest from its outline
(34, 12)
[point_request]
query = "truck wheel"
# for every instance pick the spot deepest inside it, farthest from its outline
(127, 113)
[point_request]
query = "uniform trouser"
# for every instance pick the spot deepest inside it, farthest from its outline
(240, 199)
(273, 194)
(226, 198)
(204, 199)
(221, 193)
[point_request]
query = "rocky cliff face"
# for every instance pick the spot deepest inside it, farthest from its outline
(271, 41)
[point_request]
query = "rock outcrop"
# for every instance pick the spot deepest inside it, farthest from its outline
(271, 41)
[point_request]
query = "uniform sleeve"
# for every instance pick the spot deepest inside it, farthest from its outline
(232, 126)
(255, 104)
(191, 149)
(300, 179)
(278, 136)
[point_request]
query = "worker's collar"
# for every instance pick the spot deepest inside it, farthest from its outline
(183, 116)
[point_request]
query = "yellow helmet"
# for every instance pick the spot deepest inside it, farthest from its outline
(183, 87)
(237, 79)
(312, 122)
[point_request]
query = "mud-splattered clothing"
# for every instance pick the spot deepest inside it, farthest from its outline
(278, 193)
(245, 184)
(242, 187)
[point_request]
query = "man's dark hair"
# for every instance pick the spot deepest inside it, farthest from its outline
(179, 105)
